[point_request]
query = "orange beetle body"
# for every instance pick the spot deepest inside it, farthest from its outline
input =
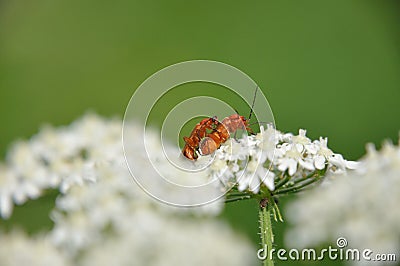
(222, 132)
(207, 143)
(198, 133)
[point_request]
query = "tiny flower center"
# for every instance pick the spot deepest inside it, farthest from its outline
(294, 153)
(301, 140)
(325, 152)
(252, 166)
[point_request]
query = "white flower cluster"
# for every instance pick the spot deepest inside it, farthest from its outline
(101, 216)
(57, 158)
(361, 206)
(272, 157)
(16, 248)
(111, 223)
(172, 242)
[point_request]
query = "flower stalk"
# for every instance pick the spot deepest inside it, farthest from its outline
(267, 236)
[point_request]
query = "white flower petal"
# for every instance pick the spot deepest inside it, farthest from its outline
(352, 165)
(268, 180)
(307, 165)
(292, 167)
(6, 206)
(319, 162)
(254, 184)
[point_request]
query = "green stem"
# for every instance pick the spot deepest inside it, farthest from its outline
(295, 189)
(267, 237)
(233, 199)
(283, 181)
(237, 194)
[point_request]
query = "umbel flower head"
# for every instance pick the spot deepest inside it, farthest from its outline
(272, 161)
(361, 206)
(64, 157)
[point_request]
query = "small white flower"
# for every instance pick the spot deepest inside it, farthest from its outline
(303, 143)
(301, 138)
(26, 190)
(292, 157)
(266, 141)
(253, 176)
(341, 164)
(234, 150)
(319, 162)
(323, 153)
(8, 186)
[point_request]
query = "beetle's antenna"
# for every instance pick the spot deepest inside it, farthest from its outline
(259, 123)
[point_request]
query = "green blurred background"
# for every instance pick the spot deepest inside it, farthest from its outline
(331, 67)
